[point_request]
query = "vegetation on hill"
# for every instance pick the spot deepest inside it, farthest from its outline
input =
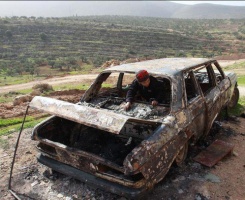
(80, 43)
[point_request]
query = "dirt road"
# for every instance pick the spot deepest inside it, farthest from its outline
(51, 81)
(66, 79)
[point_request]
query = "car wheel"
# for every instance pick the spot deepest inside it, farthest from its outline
(234, 98)
(180, 158)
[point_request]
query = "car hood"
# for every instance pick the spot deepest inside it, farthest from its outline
(93, 117)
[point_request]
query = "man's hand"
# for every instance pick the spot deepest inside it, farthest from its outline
(154, 103)
(127, 106)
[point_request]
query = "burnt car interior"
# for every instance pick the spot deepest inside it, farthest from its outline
(112, 147)
(109, 92)
(208, 77)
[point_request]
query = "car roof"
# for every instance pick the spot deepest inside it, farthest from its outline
(165, 66)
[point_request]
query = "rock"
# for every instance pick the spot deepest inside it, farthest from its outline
(60, 195)
(110, 63)
(21, 99)
(9, 107)
(199, 196)
(235, 153)
(66, 183)
(180, 191)
(180, 178)
(34, 183)
(28, 152)
(196, 165)
(212, 178)
(36, 92)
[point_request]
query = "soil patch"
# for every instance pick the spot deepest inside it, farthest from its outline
(193, 181)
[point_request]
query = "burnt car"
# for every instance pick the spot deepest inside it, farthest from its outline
(128, 152)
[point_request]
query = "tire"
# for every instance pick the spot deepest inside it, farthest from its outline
(180, 158)
(234, 99)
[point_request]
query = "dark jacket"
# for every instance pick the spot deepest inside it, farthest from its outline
(155, 91)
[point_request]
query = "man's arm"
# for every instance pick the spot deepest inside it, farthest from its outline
(132, 91)
(130, 94)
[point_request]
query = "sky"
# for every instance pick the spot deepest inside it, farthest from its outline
(229, 3)
(69, 8)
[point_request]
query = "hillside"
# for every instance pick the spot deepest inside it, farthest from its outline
(162, 9)
(209, 11)
(27, 43)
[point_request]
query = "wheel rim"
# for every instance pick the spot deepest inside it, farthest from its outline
(180, 158)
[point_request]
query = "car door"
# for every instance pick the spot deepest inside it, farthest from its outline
(195, 105)
(211, 93)
(222, 82)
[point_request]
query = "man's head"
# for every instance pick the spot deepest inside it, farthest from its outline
(143, 78)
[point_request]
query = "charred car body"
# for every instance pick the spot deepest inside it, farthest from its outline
(127, 153)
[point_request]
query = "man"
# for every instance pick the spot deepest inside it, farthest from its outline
(148, 87)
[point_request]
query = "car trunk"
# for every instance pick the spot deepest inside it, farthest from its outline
(94, 145)
(111, 147)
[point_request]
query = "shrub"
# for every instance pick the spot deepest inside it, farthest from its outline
(42, 87)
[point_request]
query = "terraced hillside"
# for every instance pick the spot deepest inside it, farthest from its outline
(97, 39)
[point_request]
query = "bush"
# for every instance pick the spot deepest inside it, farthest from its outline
(42, 87)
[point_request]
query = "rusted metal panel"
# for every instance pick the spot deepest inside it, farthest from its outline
(214, 153)
(89, 116)
(148, 149)
(161, 66)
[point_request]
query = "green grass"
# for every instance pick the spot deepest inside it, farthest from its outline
(6, 98)
(66, 86)
(4, 143)
(13, 121)
(85, 69)
(107, 85)
(44, 73)
(241, 80)
(239, 65)
(12, 80)
(9, 97)
(240, 107)
(16, 127)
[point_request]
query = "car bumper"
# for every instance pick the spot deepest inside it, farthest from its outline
(92, 180)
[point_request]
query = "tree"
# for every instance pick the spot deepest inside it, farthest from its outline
(193, 53)
(43, 37)
(59, 64)
(9, 34)
(51, 62)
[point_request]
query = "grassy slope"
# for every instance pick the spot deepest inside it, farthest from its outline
(112, 37)
(116, 37)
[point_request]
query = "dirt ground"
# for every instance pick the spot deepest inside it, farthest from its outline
(226, 180)
(193, 181)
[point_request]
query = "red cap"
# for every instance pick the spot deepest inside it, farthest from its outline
(142, 75)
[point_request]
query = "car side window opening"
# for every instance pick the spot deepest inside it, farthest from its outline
(109, 86)
(191, 89)
(166, 89)
(117, 84)
(205, 78)
(218, 75)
